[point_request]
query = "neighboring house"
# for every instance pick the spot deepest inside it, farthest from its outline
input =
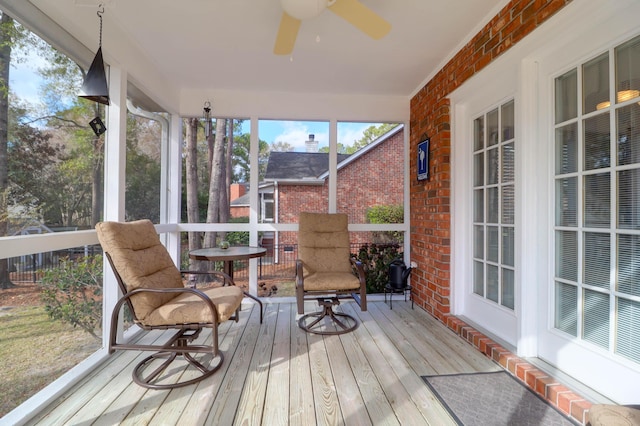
(298, 181)
(239, 200)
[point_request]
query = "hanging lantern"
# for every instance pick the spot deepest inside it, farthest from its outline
(95, 86)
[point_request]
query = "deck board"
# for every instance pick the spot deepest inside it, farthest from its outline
(275, 373)
(276, 400)
(301, 411)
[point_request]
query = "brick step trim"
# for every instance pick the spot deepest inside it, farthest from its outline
(546, 386)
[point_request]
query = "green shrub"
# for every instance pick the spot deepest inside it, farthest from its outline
(238, 238)
(72, 293)
(376, 259)
(392, 213)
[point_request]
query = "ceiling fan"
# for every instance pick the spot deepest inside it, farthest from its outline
(295, 11)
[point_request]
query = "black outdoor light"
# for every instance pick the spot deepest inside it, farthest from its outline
(207, 119)
(95, 86)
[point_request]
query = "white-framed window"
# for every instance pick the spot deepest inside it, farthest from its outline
(267, 207)
(494, 205)
(597, 201)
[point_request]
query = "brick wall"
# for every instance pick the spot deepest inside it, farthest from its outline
(430, 200)
(293, 199)
(376, 178)
(430, 117)
(237, 212)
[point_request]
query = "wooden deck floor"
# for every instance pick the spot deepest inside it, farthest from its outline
(276, 374)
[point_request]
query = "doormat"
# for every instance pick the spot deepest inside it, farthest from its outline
(494, 398)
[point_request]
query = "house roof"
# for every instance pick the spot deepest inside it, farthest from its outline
(298, 165)
(241, 201)
(304, 167)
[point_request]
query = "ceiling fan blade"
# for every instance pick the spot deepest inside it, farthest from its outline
(287, 34)
(362, 18)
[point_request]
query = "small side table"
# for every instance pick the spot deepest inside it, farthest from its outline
(395, 290)
(228, 256)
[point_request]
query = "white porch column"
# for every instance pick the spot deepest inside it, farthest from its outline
(254, 202)
(115, 152)
(333, 166)
(173, 175)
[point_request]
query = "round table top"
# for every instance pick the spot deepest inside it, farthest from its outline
(232, 253)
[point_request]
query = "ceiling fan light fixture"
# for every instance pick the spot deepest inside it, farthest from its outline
(305, 9)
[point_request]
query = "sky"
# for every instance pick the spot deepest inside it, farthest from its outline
(296, 133)
(24, 79)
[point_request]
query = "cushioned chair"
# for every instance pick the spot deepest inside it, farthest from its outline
(613, 415)
(157, 299)
(326, 271)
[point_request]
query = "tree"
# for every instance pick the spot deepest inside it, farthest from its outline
(6, 42)
(142, 198)
(216, 183)
(341, 149)
(191, 171)
(32, 169)
(72, 115)
(370, 134)
(240, 164)
(282, 147)
(142, 193)
(224, 189)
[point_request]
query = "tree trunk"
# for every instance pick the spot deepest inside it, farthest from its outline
(191, 160)
(225, 193)
(216, 180)
(6, 27)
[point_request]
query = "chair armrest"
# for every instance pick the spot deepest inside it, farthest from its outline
(299, 272)
(227, 280)
(359, 267)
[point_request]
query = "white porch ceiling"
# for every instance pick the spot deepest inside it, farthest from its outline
(200, 45)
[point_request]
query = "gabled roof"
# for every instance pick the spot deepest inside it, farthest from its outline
(359, 153)
(313, 168)
(298, 165)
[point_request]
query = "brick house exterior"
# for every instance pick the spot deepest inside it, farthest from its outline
(431, 116)
(370, 177)
(430, 201)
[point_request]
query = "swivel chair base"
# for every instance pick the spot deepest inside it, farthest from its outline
(162, 360)
(327, 321)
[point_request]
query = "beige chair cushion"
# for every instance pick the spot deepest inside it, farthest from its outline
(189, 308)
(331, 281)
(323, 247)
(141, 260)
(613, 415)
(323, 242)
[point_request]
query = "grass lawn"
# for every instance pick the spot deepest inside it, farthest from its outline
(34, 351)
